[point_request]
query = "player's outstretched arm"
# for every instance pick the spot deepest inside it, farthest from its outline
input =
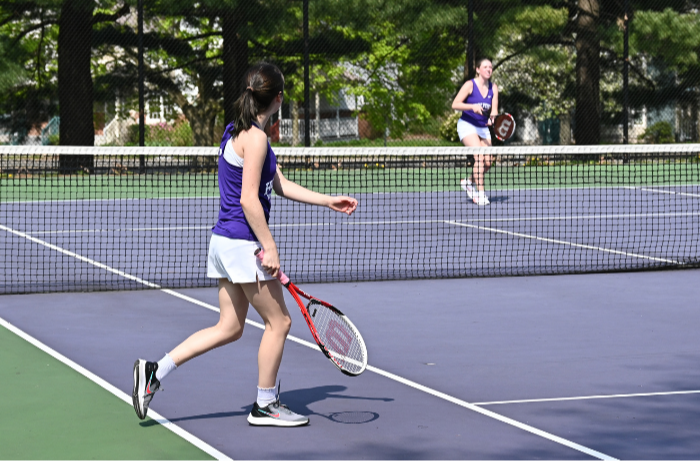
(293, 191)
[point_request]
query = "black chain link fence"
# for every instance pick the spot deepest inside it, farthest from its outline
(380, 72)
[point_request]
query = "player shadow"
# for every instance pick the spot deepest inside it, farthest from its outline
(498, 198)
(299, 400)
(222, 414)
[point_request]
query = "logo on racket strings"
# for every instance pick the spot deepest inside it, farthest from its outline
(339, 336)
(505, 127)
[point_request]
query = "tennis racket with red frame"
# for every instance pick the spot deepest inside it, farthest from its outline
(334, 333)
(504, 127)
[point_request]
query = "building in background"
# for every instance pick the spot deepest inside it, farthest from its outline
(336, 120)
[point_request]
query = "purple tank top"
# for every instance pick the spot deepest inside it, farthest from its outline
(232, 222)
(485, 102)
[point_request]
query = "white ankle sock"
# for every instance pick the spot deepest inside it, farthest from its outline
(165, 366)
(266, 395)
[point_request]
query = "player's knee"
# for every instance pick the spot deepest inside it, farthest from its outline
(285, 324)
(235, 335)
(230, 333)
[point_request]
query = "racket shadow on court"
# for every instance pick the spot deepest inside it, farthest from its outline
(300, 399)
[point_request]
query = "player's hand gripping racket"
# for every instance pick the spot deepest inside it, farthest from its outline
(504, 127)
(334, 333)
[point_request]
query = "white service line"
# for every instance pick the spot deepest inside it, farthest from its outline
(591, 216)
(378, 371)
(116, 392)
(132, 229)
(588, 397)
(112, 199)
(154, 229)
(79, 257)
(491, 414)
(562, 242)
(660, 191)
(388, 222)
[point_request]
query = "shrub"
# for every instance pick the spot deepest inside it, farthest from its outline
(658, 133)
(163, 134)
(448, 129)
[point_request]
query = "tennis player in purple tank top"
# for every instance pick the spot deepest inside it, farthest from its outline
(478, 101)
(248, 174)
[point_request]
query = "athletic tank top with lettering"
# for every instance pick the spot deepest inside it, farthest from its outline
(477, 98)
(232, 222)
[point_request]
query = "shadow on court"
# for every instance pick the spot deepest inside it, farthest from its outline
(300, 400)
(498, 198)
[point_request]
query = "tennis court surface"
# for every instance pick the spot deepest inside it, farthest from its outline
(584, 350)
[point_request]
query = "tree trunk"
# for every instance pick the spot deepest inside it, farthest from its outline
(295, 123)
(235, 57)
(587, 129)
(697, 117)
(203, 123)
(75, 82)
(202, 113)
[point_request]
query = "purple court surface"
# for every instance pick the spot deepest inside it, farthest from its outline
(552, 367)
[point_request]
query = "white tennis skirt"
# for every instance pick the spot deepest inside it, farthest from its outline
(235, 260)
(465, 128)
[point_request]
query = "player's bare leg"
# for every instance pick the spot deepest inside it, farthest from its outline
(268, 300)
(482, 163)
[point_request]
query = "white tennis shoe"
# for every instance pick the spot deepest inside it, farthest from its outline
(468, 186)
(481, 199)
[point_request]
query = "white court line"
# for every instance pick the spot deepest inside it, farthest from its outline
(563, 242)
(661, 191)
(79, 257)
(378, 371)
(276, 197)
(133, 229)
(197, 442)
(524, 219)
(589, 397)
(151, 229)
(378, 223)
(76, 200)
(592, 216)
(320, 224)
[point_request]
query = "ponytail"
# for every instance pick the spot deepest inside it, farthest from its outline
(262, 83)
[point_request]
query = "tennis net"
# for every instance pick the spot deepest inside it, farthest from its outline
(89, 218)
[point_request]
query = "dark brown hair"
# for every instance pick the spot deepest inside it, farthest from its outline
(260, 85)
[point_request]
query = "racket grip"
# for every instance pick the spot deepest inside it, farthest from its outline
(280, 275)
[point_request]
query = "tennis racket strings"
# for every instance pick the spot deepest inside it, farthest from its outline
(339, 336)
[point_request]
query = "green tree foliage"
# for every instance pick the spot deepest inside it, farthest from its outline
(404, 59)
(408, 73)
(532, 44)
(28, 66)
(182, 64)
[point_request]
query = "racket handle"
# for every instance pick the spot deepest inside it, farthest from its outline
(280, 275)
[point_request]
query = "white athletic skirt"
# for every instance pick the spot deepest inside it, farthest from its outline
(235, 260)
(465, 128)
